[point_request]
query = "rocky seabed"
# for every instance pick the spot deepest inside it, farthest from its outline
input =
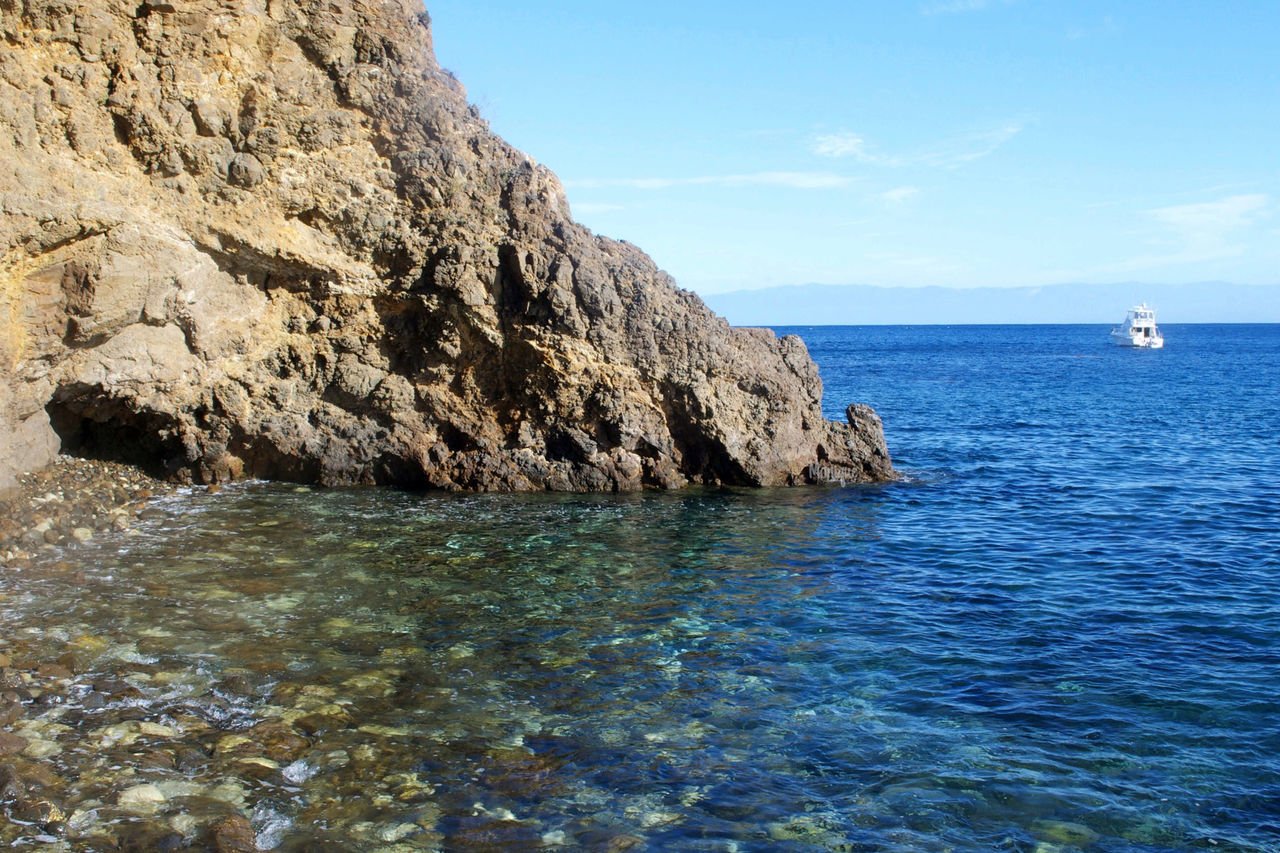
(71, 501)
(163, 706)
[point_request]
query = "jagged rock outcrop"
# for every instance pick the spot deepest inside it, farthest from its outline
(270, 238)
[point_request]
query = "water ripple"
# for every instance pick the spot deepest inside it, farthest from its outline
(1059, 632)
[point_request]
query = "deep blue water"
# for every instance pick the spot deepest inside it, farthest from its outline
(1059, 632)
(1085, 564)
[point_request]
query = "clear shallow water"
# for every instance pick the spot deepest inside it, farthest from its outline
(1061, 632)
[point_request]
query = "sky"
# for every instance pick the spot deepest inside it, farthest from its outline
(958, 143)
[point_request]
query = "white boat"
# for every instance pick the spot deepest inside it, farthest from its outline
(1139, 329)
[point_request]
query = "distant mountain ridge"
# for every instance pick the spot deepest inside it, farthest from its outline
(858, 304)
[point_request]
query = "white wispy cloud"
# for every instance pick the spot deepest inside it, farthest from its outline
(1199, 233)
(1211, 227)
(843, 145)
(1199, 192)
(596, 207)
(897, 195)
(972, 146)
(789, 180)
(946, 154)
(953, 7)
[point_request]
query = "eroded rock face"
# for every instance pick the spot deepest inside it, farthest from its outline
(272, 239)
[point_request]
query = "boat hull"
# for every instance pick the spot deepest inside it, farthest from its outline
(1124, 340)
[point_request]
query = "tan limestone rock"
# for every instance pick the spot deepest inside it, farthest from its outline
(273, 239)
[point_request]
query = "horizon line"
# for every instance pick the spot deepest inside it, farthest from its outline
(948, 325)
(962, 287)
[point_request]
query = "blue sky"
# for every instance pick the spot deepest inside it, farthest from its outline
(944, 142)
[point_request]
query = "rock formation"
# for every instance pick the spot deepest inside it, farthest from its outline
(269, 238)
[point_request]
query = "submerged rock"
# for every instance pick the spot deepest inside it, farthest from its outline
(286, 247)
(144, 798)
(232, 834)
(1064, 832)
(43, 813)
(11, 744)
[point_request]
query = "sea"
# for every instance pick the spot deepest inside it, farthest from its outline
(1058, 631)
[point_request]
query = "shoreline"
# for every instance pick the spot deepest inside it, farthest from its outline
(69, 502)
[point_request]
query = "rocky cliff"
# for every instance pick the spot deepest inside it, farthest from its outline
(270, 238)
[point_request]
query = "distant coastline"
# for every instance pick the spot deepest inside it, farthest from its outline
(1068, 304)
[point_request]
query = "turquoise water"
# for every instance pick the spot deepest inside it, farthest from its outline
(1060, 632)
